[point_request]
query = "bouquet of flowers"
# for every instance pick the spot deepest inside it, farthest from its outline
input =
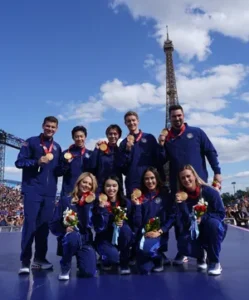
(200, 208)
(153, 224)
(70, 218)
(119, 214)
(198, 211)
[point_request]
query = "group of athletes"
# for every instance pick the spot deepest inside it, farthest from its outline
(124, 223)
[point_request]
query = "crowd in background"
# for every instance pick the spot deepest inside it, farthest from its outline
(238, 214)
(11, 206)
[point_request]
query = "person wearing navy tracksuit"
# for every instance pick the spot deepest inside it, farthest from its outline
(183, 145)
(38, 158)
(107, 163)
(76, 241)
(138, 154)
(155, 202)
(74, 161)
(200, 238)
(113, 250)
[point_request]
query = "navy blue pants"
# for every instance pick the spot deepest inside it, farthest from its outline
(38, 211)
(74, 244)
(109, 253)
(212, 233)
(151, 253)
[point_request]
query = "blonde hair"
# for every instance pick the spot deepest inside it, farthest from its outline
(75, 191)
(198, 179)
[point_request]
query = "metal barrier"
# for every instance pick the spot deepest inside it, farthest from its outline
(231, 221)
(10, 229)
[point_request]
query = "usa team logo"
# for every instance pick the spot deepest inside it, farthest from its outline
(158, 200)
(87, 155)
(190, 135)
(143, 140)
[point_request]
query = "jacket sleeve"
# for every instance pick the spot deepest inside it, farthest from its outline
(137, 217)
(56, 224)
(25, 157)
(209, 151)
(170, 213)
(100, 218)
(124, 158)
(63, 166)
(215, 207)
(93, 161)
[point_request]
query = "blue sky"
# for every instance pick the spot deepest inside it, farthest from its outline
(88, 62)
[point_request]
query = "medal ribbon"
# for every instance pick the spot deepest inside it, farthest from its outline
(83, 150)
(171, 135)
(46, 150)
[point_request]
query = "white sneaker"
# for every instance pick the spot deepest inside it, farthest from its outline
(64, 275)
(202, 263)
(159, 266)
(25, 269)
(41, 264)
(214, 269)
(180, 259)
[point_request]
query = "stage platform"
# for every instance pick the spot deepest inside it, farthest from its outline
(175, 283)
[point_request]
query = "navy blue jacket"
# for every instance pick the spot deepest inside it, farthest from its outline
(103, 221)
(41, 180)
(72, 170)
(84, 216)
(103, 165)
(192, 147)
(155, 205)
(142, 155)
(215, 208)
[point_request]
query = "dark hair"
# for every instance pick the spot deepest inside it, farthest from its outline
(115, 127)
(175, 107)
(144, 189)
(120, 194)
(79, 128)
(50, 119)
(130, 113)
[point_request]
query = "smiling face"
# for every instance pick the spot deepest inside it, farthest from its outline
(86, 185)
(150, 181)
(111, 188)
(132, 122)
(177, 118)
(49, 129)
(112, 137)
(79, 138)
(188, 180)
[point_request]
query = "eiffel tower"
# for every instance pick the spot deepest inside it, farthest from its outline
(171, 90)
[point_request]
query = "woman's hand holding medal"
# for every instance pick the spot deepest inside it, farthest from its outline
(162, 137)
(181, 196)
(135, 196)
(103, 199)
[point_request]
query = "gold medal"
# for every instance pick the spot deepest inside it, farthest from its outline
(90, 198)
(68, 155)
(130, 138)
(164, 132)
(137, 193)
(50, 156)
(103, 147)
(103, 198)
(182, 196)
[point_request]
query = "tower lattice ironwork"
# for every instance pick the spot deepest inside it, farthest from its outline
(7, 139)
(171, 89)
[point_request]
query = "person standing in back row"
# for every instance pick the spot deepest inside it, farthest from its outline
(186, 145)
(139, 150)
(38, 158)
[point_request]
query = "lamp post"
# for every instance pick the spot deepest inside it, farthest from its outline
(233, 183)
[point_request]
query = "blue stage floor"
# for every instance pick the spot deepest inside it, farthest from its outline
(176, 283)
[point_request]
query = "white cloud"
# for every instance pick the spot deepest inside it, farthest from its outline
(232, 150)
(191, 21)
(245, 96)
(203, 119)
(217, 131)
(12, 170)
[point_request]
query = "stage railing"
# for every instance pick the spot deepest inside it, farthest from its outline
(10, 228)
